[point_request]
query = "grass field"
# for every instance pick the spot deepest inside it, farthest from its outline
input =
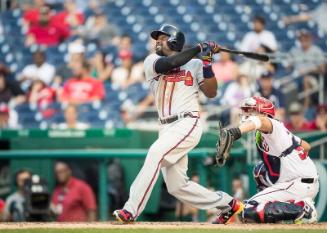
(142, 227)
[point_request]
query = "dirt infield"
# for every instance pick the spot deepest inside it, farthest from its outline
(159, 225)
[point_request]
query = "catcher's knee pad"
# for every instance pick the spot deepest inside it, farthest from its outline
(272, 212)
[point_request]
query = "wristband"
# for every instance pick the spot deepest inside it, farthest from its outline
(255, 120)
(208, 72)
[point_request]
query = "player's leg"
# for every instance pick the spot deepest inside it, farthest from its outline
(189, 192)
(170, 143)
(273, 203)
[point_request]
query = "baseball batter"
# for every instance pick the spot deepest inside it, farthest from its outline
(286, 176)
(175, 79)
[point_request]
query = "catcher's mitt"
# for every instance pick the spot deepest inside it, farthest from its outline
(225, 143)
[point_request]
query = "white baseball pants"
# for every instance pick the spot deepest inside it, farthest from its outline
(169, 153)
(287, 191)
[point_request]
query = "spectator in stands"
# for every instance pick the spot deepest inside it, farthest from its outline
(307, 61)
(93, 7)
(235, 92)
(2, 207)
(125, 43)
(71, 119)
(70, 18)
(14, 207)
(297, 120)
(32, 13)
(307, 58)
(318, 15)
(254, 69)
(4, 116)
(131, 112)
(225, 68)
(97, 28)
(101, 67)
(46, 32)
(76, 54)
(121, 74)
(73, 200)
(39, 70)
(42, 96)
(267, 90)
(321, 118)
(252, 40)
(10, 92)
(81, 88)
(238, 189)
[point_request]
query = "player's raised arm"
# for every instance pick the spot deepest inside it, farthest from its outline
(169, 45)
(167, 63)
(252, 123)
(306, 146)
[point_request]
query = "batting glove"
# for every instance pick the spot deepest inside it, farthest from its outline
(206, 58)
(209, 45)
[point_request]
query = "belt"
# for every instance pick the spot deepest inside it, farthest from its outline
(173, 118)
(308, 180)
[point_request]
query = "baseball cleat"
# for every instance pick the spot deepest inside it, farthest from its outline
(309, 214)
(123, 216)
(225, 217)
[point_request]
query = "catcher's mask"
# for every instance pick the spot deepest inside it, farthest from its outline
(257, 105)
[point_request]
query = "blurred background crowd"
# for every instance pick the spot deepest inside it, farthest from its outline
(79, 64)
(75, 64)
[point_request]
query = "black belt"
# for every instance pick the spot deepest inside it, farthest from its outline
(307, 180)
(171, 119)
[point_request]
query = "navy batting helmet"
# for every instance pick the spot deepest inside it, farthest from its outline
(176, 38)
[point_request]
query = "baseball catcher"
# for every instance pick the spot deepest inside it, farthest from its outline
(286, 177)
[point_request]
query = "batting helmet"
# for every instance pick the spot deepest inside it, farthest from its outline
(259, 104)
(260, 174)
(176, 38)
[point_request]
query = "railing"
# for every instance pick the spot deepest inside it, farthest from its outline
(321, 143)
(103, 155)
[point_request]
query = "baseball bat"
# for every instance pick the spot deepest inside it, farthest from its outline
(255, 56)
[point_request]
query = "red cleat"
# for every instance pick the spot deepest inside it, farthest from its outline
(123, 216)
(225, 216)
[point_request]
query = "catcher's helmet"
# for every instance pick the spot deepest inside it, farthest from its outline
(176, 38)
(259, 104)
(260, 174)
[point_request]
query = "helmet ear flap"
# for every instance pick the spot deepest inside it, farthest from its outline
(172, 43)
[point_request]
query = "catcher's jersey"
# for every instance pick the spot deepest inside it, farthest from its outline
(176, 91)
(294, 165)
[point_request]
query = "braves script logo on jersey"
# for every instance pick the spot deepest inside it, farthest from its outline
(178, 75)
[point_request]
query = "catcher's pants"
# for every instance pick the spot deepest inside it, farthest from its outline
(169, 153)
(288, 191)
